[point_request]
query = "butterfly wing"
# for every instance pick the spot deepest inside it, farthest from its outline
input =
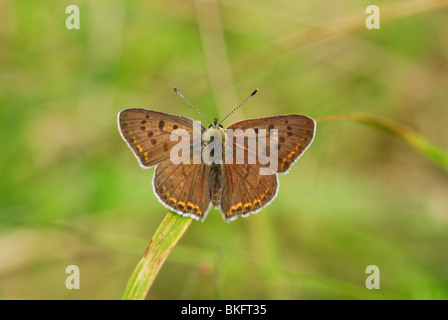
(183, 188)
(245, 189)
(295, 134)
(148, 133)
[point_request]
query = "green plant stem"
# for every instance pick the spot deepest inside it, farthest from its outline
(162, 243)
(417, 141)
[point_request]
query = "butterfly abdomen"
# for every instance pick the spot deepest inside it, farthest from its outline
(216, 184)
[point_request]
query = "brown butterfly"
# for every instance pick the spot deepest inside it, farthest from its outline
(236, 189)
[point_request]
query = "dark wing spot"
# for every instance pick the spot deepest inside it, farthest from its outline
(147, 116)
(289, 134)
(282, 139)
(180, 205)
(256, 130)
(161, 124)
(153, 141)
(286, 121)
(175, 127)
(143, 121)
(289, 128)
(165, 146)
(285, 164)
(143, 128)
(150, 134)
(271, 126)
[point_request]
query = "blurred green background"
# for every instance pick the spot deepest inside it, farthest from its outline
(71, 192)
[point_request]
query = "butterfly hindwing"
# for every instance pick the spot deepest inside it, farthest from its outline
(245, 190)
(183, 188)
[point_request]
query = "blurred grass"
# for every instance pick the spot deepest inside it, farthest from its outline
(418, 142)
(72, 193)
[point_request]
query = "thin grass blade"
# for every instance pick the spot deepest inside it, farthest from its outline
(162, 243)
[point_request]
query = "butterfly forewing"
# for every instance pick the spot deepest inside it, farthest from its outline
(148, 133)
(295, 134)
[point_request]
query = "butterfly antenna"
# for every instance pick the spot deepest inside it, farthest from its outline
(251, 95)
(180, 94)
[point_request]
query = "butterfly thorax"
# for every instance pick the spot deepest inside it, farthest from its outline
(211, 138)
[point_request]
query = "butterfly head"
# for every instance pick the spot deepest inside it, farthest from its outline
(216, 124)
(214, 129)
